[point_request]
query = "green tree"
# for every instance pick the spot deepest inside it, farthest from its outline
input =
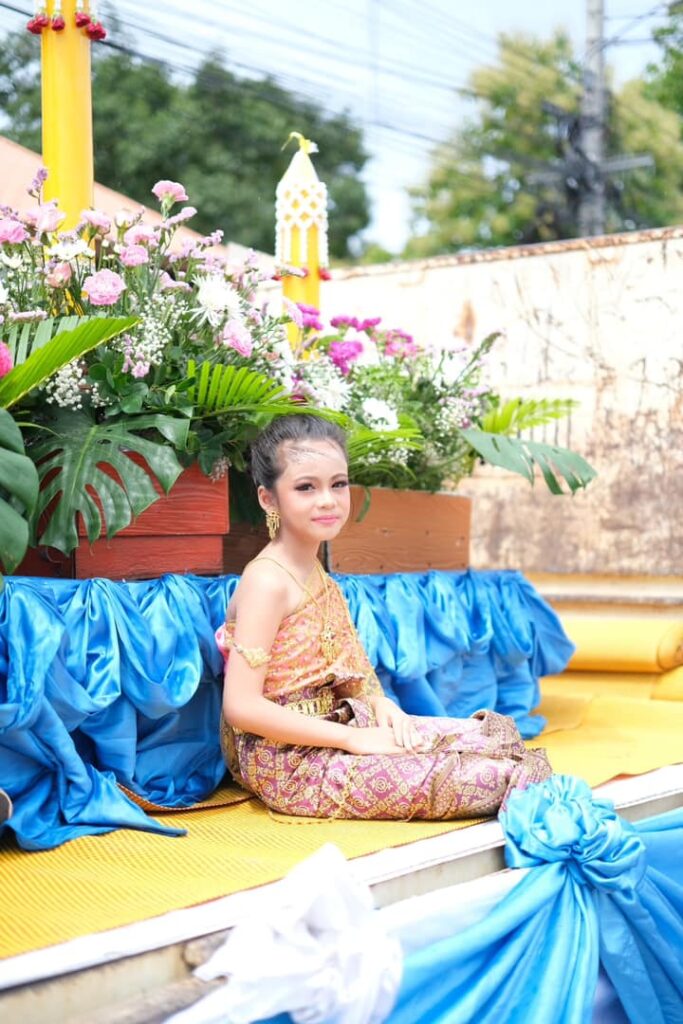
(489, 185)
(665, 78)
(219, 134)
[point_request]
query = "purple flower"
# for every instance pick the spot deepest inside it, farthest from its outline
(344, 321)
(370, 324)
(343, 353)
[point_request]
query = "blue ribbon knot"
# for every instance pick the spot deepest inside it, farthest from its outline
(559, 821)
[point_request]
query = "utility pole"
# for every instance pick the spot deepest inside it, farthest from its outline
(593, 115)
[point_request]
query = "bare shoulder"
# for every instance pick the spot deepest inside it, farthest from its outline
(264, 578)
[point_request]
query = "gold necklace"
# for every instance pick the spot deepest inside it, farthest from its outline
(329, 641)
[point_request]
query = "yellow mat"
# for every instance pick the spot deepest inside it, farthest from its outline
(101, 882)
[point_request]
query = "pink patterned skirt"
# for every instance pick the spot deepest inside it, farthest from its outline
(471, 766)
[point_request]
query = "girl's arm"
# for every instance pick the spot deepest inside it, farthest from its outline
(262, 604)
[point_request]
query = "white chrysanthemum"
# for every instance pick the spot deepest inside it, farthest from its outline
(12, 262)
(217, 298)
(66, 251)
(380, 414)
(324, 384)
(4, 295)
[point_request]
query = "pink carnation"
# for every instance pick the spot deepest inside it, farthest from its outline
(104, 288)
(6, 362)
(59, 275)
(12, 231)
(98, 220)
(140, 234)
(235, 335)
(168, 283)
(186, 213)
(134, 256)
(45, 218)
(343, 353)
(170, 191)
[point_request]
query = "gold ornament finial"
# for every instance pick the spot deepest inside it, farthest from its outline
(307, 146)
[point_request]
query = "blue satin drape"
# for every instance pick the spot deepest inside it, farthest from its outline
(104, 682)
(603, 892)
(602, 895)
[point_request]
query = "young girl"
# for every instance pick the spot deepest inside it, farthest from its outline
(306, 725)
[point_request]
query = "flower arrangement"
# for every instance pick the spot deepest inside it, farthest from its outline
(191, 366)
(385, 380)
(124, 343)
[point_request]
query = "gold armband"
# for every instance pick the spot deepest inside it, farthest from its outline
(254, 656)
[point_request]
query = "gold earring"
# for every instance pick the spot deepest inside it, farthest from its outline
(272, 522)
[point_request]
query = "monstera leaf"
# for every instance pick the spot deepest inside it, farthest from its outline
(520, 455)
(81, 458)
(18, 492)
(40, 350)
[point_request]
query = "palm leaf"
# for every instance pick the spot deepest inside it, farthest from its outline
(524, 413)
(72, 463)
(219, 389)
(18, 492)
(521, 456)
(48, 347)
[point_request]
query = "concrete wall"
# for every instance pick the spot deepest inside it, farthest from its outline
(599, 321)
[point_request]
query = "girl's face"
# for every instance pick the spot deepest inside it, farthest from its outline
(312, 492)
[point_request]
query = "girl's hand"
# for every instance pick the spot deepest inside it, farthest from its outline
(406, 736)
(376, 739)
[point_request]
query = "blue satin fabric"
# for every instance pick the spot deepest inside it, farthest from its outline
(104, 682)
(602, 892)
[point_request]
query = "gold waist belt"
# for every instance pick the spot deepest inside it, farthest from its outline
(321, 705)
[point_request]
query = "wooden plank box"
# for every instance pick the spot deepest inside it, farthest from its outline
(182, 532)
(402, 531)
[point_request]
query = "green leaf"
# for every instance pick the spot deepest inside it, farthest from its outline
(519, 414)
(45, 359)
(520, 455)
(218, 389)
(18, 493)
(71, 464)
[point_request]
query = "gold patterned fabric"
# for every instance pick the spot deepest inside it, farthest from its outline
(467, 770)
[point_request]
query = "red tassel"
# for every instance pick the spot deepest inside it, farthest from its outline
(37, 24)
(96, 31)
(58, 24)
(324, 274)
(82, 19)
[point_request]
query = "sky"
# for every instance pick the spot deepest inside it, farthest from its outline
(393, 64)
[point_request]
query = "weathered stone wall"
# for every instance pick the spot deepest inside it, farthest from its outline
(599, 321)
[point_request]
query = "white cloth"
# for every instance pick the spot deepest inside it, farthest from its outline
(319, 953)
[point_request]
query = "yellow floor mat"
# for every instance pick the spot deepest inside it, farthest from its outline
(101, 882)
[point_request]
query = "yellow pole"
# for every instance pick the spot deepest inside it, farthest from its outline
(301, 228)
(67, 116)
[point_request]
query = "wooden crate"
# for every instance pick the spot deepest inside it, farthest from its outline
(182, 532)
(402, 531)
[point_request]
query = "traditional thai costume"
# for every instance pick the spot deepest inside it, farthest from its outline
(467, 771)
